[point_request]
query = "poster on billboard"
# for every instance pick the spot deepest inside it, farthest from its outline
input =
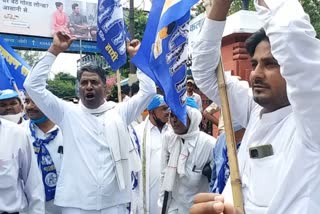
(43, 18)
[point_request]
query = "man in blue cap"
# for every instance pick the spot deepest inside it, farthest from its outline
(11, 107)
(150, 133)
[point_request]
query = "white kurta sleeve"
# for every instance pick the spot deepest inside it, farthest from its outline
(31, 177)
(131, 109)
(35, 85)
(296, 49)
(205, 58)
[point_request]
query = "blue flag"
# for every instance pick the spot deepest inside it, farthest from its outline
(13, 69)
(163, 52)
(111, 36)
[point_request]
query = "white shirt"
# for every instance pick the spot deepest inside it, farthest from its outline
(193, 182)
(154, 140)
(288, 181)
(52, 147)
(20, 179)
(87, 178)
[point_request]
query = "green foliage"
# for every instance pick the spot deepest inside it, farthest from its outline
(140, 21)
(312, 7)
(198, 9)
(237, 5)
(31, 57)
(63, 85)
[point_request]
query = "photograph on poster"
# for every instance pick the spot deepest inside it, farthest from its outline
(45, 17)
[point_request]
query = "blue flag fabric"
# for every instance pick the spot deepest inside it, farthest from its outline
(13, 69)
(163, 52)
(111, 36)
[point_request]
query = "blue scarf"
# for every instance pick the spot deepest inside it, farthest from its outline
(48, 170)
(134, 175)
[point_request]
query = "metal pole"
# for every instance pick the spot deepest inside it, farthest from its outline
(131, 30)
(80, 46)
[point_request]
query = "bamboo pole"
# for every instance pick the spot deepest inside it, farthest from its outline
(119, 86)
(230, 140)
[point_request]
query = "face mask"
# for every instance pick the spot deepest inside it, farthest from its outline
(12, 117)
(40, 120)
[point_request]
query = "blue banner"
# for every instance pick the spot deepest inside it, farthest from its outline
(111, 36)
(13, 69)
(41, 43)
(163, 52)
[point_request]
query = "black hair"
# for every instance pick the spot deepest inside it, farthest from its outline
(92, 68)
(74, 5)
(58, 4)
(134, 88)
(252, 42)
(125, 89)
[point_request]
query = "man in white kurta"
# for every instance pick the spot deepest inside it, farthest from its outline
(39, 127)
(287, 181)
(95, 174)
(150, 135)
(20, 180)
(184, 157)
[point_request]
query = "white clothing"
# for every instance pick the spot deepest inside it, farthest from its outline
(92, 174)
(197, 98)
(287, 182)
(153, 141)
(20, 180)
(52, 147)
(182, 165)
(119, 209)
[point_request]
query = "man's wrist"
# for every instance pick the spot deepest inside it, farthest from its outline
(54, 50)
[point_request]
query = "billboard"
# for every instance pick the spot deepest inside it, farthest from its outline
(44, 17)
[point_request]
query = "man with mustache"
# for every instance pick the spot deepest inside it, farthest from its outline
(279, 158)
(46, 138)
(11, 107)
(98, 154)
(150, 137)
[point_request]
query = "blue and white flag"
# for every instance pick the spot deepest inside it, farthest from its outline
(111, 36)
(13, 69)
(163, 52)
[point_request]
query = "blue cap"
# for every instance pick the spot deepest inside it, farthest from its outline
(191, 102)
(156, 102)
(8, 94)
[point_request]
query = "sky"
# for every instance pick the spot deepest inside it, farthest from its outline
(66, 63)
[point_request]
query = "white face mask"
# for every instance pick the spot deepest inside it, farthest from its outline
(12, 117)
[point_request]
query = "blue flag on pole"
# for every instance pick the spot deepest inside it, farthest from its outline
(111, 36)
(13, 69)
(163, 52)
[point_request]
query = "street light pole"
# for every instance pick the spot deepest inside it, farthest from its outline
(131, 30)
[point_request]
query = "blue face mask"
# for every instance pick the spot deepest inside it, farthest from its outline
(40, 120)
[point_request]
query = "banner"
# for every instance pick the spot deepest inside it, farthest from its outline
(163, 52)
(44, 17)
(13, 69)
(111, 36)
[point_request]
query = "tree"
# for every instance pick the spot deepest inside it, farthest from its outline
(63, 85)
(312, 7)
(31, 57)
(140, 22)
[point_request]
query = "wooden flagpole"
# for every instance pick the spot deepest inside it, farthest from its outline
(230, 140)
